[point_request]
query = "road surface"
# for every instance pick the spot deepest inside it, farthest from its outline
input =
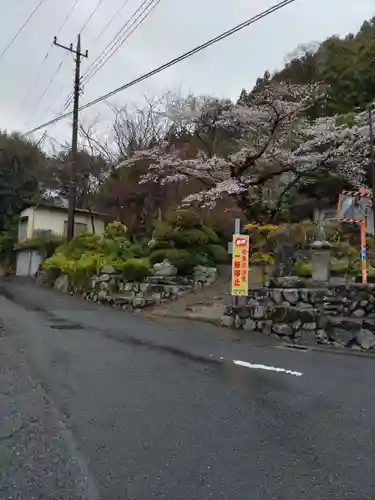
(100, 404)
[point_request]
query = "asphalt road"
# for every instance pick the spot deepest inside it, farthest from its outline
(98, 404)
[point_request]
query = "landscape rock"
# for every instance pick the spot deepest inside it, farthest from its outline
(291, 296)
(249, 325)
(283, 329)
(344, 337)
(366, 339)
(62, 283)
(109, 270)
(164, 268)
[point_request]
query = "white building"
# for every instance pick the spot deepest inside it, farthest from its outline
(50, 218)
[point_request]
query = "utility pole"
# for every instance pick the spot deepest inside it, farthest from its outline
(372, 160)
(77, 88)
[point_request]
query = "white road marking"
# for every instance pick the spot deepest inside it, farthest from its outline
(265, 367)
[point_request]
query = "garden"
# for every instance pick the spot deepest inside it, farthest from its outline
(343, 237)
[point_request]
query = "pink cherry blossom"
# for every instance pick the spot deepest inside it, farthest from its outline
(270, 139)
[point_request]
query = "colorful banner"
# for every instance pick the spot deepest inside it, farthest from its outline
(240, 265)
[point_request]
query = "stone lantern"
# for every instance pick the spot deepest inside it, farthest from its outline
(320, 257)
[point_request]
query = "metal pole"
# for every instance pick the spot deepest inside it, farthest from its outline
(372, 163)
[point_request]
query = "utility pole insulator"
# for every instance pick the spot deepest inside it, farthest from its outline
(77, 80)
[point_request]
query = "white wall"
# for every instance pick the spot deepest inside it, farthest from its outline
(53, 220)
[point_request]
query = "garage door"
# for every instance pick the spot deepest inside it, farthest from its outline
(23, 263)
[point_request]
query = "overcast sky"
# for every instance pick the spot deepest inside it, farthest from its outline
(172, 28)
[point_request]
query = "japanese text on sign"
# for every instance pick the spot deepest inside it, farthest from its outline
(240, 265)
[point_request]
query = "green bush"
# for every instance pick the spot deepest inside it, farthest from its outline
(134, 269)
(340, 266)
(211, 235)
(182, 259)
(157, 256)
(184, 218)
(80, 244)
(190, 238)
(163, 232)
(303, 268)
(201, 258)
(262, 259)
(218, 254)
(116, 229)
(80, 269)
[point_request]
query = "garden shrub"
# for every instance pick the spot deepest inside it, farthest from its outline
(190, 238)
(164, 236)
(262, 259)
(184, 218)
(115, 230)
(180, 258)
(218, 254)
(211, 235)
(78, 269)
(157, 256)
(302, 268)
(185, 239)
(134, 269)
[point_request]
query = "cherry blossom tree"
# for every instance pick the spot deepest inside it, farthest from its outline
(273, 148)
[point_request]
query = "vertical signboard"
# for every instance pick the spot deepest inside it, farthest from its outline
(240, 265)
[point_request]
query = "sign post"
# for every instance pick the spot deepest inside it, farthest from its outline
(240, 265)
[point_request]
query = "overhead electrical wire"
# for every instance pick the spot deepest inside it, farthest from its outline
(174, 61)
(48, 86)
(91, 15)
(115, 45)
(39, 70)
(31, 15)
(67, 17)
(112, 19)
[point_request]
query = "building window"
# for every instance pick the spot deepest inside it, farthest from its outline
(24, 222)
(79, 228)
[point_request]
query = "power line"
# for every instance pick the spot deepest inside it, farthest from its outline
(112, 19)
(174, 61)
(91, 15)
(5, 50)
(39, 70)
(48, 86)
(33, 82)
(92, 69)
(111, 45)
(67, 17)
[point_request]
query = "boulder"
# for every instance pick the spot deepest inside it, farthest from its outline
(283, 329)
(62, 283)
(249, 325)
(366, 339)
(109, 270)
(164, 268)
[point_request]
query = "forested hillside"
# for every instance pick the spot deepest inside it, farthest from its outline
(346, 64)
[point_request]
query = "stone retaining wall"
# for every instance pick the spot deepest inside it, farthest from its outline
(110, 287)
(335, 314)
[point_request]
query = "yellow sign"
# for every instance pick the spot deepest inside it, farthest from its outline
(240, 265)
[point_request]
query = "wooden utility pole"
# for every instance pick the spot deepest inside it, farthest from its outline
(77, 88)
